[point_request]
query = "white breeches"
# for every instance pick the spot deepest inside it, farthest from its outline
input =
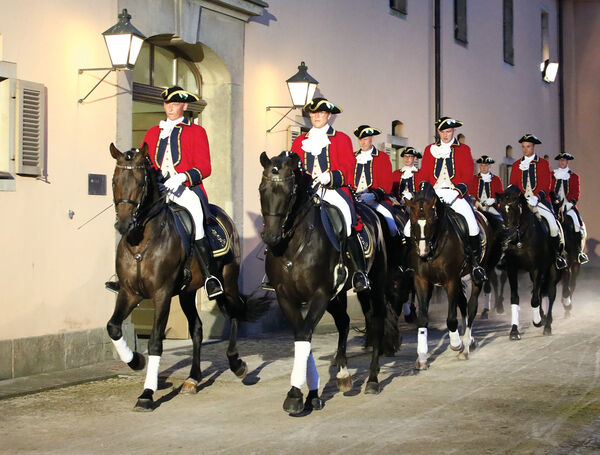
(573, 216)
(192, 203)
(385, 212)
(490, 209)
(545, 213)
(334, 198)
(462, 207)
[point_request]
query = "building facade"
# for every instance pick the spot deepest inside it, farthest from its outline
(376, 59)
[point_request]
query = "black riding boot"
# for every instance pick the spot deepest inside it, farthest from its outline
(560, 261)
(582, 258)
(360, 281)
(212, 285)
(474, 252)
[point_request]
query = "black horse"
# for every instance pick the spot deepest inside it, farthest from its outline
(438, 258)
(303, 267)
(528, 247)
(572, 250)
(151, 260)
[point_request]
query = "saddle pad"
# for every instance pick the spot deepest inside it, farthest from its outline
(184, 226)
(367, 242)
(219, 239)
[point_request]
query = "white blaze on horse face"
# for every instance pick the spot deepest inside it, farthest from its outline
(422, 243)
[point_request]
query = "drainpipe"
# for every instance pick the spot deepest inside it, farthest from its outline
(561, 72)
(438, 65)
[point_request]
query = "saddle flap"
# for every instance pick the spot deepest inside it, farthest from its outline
(333, 222)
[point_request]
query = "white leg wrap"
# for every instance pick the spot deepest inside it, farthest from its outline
(537, 318)
(301, 353)
(406, 308)
(515, 314)
(152, 373)
(454, 338)
(343, 373)
(546, 301)
(123, 350)
(488, 301)
(566, 301)
(313, 381)
(467, 339)
(422, 344)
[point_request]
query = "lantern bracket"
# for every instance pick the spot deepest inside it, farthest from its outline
(81, 70)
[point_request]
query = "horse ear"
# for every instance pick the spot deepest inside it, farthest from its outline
(264, 160)
(114, 151)
(144, 149)
(295, 159)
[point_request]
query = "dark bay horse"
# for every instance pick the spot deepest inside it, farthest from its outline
(301, 263)
(528, 247)
(570, 274)
(151, 256)
(437, 257)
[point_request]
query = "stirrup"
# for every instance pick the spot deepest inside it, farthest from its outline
(583, 258)
(478, 274)
(213, 287)
(561, 263)
(360, 282)
(266, 285)
(113, 286)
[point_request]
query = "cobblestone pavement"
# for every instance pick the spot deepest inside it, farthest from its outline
(538, 395)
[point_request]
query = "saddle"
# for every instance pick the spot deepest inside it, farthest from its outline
(335, 227)
(462, 229)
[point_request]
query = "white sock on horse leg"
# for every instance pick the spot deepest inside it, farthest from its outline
(123, 350)
(152, 373)
(467, 338)
(488, 301)
(422, 344)
(566, 301)
(313, 381)
(515, 314)
(536, 315)
(301, 353)
(406, 308)
(454, 338)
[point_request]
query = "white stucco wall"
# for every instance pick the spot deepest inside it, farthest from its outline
(52, 274)
(378, 67)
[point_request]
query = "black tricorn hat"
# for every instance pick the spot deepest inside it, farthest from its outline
(410, 151)
(564, 155)
(322, 105)
(530, 138)
(444, 123)
(366, 131)
(484, 159)
(176, 94)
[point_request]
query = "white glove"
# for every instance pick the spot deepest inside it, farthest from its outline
(568, 206)
(173, 183)
(489, 201)
(407, 195)
(323, 178)
(532, 200)
(449, 196)
(366, 197)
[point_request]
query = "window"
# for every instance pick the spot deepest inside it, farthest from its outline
(507, 32)
(398, 5)
(460, 21)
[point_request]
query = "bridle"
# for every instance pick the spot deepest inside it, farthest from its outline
(289, 203)
(422, 237)
(136, 204)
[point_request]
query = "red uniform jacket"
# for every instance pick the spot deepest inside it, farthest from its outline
(337, 158)
(189, 150)
(400, 185)
(478, 186)
(459, 165)
(378, 171)
(539, 176)
(570, 186)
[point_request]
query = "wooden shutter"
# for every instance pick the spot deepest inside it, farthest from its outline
(30, 142)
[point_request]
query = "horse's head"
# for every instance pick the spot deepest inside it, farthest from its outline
(511, 205)
(130, 185)
(278, 191)
(425, 212)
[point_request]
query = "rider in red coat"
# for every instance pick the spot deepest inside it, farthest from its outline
(327, 155)
(373, 175)
(448, 166)
(565, 193)
(405, 179)
(531, 174)
(485, 185)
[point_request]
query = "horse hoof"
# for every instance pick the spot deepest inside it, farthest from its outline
(421, 365)
(459, 348)
(145, 403)
(514, 334)
(484, 314)
(499, 309)
(567, 314)
(242, 371)
(547, 331)
(344, 384)
(372, 388)
(314, 401)
(138, 362)
(293, 403)
(189, 387)
(463, 355)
